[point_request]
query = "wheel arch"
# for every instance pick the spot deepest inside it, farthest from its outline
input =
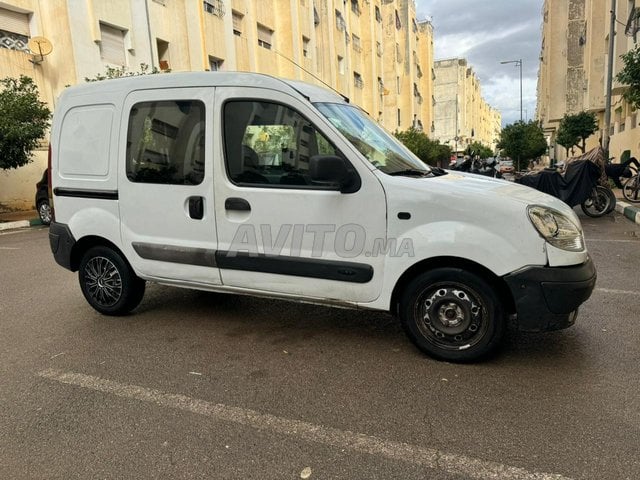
(85, 243)
(425, 265)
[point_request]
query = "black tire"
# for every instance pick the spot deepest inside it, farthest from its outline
(612, 200)
(44, 212)
(452, 314)
(108, 282)
(631, 189)
(598, 202)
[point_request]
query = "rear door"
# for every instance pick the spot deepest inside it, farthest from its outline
(166, 185)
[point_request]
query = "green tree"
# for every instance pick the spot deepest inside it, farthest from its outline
(429, 151)
(523, 142)
(577, 128)
(24, 120)
(630, 76)
(566, 139)
(477, 148)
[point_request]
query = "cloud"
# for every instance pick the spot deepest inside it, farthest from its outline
(486, 33)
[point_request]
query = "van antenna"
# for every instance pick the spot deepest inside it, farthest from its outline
(346, 99)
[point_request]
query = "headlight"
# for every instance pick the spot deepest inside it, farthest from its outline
(556, 228)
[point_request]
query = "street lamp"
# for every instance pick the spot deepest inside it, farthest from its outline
(518, 64)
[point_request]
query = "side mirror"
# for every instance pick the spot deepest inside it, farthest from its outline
(333, 170)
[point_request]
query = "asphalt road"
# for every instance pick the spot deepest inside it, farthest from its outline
(200, 385)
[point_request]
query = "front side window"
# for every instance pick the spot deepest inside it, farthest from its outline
(382, 149)
(165, 142)
(267, 144)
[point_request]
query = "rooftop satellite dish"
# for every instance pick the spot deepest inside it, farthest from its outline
(40, 47)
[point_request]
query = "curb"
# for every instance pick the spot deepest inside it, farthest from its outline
(630, 211)
(6, 226)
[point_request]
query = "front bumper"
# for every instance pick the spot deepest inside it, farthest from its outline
(547, 298)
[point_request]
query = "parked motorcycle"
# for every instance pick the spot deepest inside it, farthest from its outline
(579, 185)
(487, 167)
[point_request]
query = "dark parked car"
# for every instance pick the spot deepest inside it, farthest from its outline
(42, 199)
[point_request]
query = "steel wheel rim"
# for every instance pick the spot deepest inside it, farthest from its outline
(103, 281)
(451, 316)
(45, 213)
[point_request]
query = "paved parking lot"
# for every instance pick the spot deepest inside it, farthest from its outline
(201, 385)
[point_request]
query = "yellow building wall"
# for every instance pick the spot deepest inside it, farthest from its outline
(393, 60)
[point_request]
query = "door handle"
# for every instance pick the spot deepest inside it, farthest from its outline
(196, 208)
(235, 203)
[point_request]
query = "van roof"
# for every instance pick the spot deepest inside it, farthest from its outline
(311, 92)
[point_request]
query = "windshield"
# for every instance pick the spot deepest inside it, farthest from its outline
(381, 148)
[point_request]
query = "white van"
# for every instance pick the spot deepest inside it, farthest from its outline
(249, 184)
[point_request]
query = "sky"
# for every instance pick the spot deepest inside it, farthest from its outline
(486, 32)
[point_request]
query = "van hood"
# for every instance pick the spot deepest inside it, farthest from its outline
(478, 191)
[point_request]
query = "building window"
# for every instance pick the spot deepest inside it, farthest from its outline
(379, 49)
(399, 118)
(340, 23)
(112, 45)
(14, 30)
(214, 7)
(398, 84)
(355, 7)
(163, 54)
(357, 80)
(237, 23)
(634, 120)
(265, 35)
(398, 22)
(380, 86)
(305, 47)
(357, 46)
(398, 53)
(215, 64)
(340, 65)
(165, 142)
(378, 15)
(415, 25)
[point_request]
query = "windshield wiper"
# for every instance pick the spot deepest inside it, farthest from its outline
(410, 172)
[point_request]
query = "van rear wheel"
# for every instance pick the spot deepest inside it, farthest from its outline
(452, 314)
(108, 282)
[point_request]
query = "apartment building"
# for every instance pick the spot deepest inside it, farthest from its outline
(573, 70)
(461, 115)
(375, 52)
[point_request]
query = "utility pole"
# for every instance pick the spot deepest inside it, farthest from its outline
(518, 64)
(607, 107)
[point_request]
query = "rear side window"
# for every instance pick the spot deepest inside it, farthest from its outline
(165, 142)
(268, 144)
(85, 140)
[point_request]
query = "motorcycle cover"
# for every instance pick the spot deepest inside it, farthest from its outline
(573, 188)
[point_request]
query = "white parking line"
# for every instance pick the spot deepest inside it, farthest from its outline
(426, 457)
(619, 292)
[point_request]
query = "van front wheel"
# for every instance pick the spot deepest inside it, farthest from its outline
(108, 282)
(452, 314)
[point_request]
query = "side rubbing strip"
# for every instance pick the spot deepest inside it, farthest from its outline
(169, 253)
(86, 193)
(300, 267)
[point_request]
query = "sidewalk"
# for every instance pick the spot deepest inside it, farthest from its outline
(23, 219)
(629, 210)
